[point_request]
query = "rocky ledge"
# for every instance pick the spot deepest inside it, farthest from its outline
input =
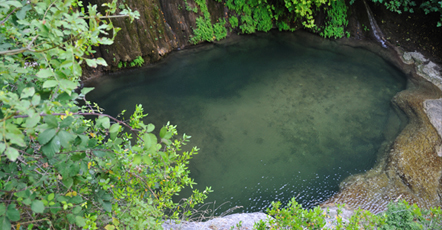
(410, 167)
(247, 220)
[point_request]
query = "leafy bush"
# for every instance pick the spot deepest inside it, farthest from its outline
(58, 168)
(139, 61)
(293, 216)
(233, 21)
(336, 20)
(399, 215)
(402, 215)
(205, 30)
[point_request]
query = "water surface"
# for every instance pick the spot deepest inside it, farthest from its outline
(275, 115)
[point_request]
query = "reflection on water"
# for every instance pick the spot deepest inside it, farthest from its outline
(275, 115)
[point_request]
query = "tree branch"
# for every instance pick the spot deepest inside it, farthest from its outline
(9, 15)
(135, 131)
(105, 17)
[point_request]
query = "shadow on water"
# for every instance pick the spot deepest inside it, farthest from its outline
(275, 115)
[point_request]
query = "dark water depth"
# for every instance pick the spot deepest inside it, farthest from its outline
(275, 115)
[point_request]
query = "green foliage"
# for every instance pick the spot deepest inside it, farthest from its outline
(402, 215)
(205, 30)
(255, 15)
(260, 15)
(336, 20)
(189, 8)
(399, 215)
(282, 26)
(139, 61)
(293, 216)
(58, 168)
(428, 6)
(233, 21)
(304, 10)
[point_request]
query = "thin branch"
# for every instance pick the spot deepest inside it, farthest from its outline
(77, 151)
(135, 131)
(9, 15)
(105, 17)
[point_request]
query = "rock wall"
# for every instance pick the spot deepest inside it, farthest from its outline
(409, 168)
(164, 25)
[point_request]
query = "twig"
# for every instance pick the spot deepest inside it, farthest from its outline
(135, 131)
(105, 17)
(9, 15)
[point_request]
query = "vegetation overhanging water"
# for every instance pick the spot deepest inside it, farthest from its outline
(275, 115)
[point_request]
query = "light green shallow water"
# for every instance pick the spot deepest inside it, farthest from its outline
(275, 115)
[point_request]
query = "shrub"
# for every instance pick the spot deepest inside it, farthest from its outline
(58, 168)
(398, 215)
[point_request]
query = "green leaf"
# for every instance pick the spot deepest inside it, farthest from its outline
(27, 201)
(71, 218)
(80, 130)
(163, 132)
(154, 142)
(37, 206)
(44, 73)
(76, 210)
(24, 193)
(68, 181)
(36, 99)
(51, 196)
(114, 128)
(14, 134)
(66, 122)
(12, 213)
(4, 223)
(12, 153)
(2, 209)
(168, 135)
(105, 122)
(76, 200)
(80, 221)
(52, 147)
(147, 160)
(21, 14)
(166, 141)
(107, 206)
(51, 121)
(27, 92)
(86, 90)
(99, 153)
(32, 120)
(67, 85)
(147, 141)
(46, 136)
(66, 138)
(91, 143)
(150, 128)
(78, 156)
(2, 147)
(137, 159)
(113, 131)
(101, 61)
(50, 83)
(91, 62)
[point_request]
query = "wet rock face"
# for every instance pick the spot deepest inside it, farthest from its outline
(412, 166)
(164, 25)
